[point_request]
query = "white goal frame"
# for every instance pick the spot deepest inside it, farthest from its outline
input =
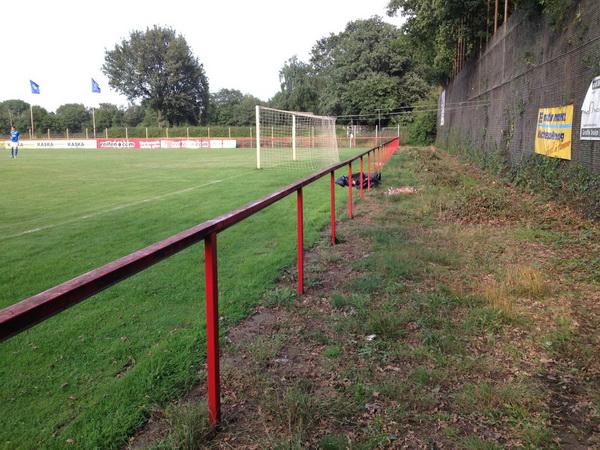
(294, 140)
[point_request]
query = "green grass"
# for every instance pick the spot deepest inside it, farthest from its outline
(91, 375)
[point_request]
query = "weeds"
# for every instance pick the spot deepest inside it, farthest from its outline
(280, 296)
(188, 427)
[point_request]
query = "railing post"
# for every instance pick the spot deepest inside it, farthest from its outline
(332, 206)
(361, 177)
(350, 190)
(369, 170)
(212, 329)
(300, 242)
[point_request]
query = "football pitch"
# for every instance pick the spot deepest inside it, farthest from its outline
(92, 374)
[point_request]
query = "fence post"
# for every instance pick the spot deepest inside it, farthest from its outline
(368, 171)
(300, 242)
(361, 177)
(350, 190)
(332, 205)
(212, 329)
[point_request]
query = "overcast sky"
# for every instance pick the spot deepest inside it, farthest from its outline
(242, 44)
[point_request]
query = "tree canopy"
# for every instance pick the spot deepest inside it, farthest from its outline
(445, 35)
(231, 107)
(299, 87)
(365, 68)
(158, 67)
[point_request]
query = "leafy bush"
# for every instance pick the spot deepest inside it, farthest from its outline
(421, 124)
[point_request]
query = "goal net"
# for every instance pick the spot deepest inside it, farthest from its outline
(294, 140)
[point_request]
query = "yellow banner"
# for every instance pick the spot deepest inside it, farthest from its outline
(553, 132)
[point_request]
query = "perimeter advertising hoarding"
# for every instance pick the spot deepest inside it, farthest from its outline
(56, 143)
(553, 134)
(197, 143)
(590, 113)
(120, 143)
(125, 143)
(166, 143)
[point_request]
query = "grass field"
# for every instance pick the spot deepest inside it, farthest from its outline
(92, 374)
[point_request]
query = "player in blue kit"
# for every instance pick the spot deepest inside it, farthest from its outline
(14, 142)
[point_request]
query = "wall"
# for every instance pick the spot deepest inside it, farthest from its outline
(493, 103)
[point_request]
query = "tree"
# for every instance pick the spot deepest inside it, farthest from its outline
(108, 115)
(231, 107)
(133, 116)
(445, 35)
(437, 29)
(245, 113)
(298, 87)
(50, 122)
(366, 67)
(222, 106)
(14, 113)
(74, 117)
(158, 68)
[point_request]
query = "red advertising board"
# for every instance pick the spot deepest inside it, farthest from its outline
(120, 143)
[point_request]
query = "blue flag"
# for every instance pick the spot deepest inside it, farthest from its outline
(95, 87)
(35, 88)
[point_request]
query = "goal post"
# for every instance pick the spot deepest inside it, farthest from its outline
(294, 140)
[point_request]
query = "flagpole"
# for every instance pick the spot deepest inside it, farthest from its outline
(95, 90)
(35, 89)
(32, 129)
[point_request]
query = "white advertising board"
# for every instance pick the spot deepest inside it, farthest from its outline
(590, 113)
(56, 143)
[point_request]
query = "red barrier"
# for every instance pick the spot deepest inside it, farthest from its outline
(212, 328)
(300, 221)
(27, 313)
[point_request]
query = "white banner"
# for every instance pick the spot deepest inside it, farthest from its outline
(590, 113)
(222, 143)
(198, 143)
(442, 108)
(57, 143)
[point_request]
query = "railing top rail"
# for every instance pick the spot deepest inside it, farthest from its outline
(27, 313)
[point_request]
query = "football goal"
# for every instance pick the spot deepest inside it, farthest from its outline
(294, 140)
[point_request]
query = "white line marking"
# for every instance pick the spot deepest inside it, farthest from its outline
(116, 208)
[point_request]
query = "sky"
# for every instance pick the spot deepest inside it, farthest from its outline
(242, 44)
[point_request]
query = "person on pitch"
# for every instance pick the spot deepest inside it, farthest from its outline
(14, 142)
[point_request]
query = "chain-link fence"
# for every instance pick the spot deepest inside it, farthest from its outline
(494, 102)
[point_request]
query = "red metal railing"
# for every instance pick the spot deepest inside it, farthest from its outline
(29, 312)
